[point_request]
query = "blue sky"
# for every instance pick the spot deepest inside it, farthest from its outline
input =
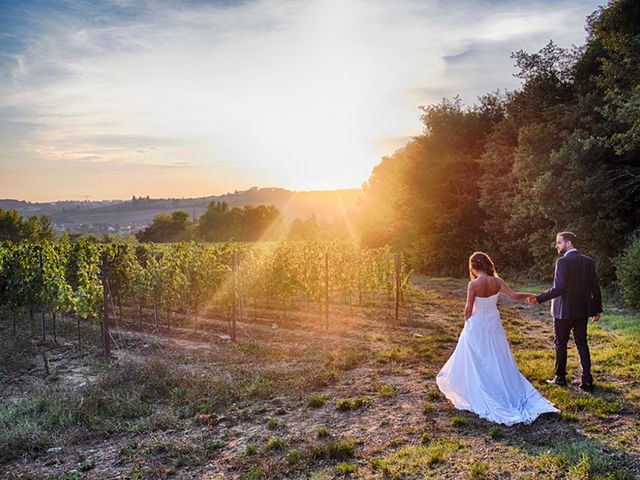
(117, 98)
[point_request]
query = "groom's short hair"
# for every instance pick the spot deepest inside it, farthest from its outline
(568, 237)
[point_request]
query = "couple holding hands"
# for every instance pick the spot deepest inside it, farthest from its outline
(481, 375)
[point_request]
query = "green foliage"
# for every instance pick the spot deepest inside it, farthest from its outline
(346, 469)
(310, 229)
(479, 470)
(10, 225)
(249, 223)
(335, 450)
(317, 401)
(14, 228)
(427, 408)
(387, 390)
(250, 449)
(72, 475)
(274, 443)
(304, 229)
(628, 273)
(190, 277)
(272, 423)
(293, 457)
(347, 404)
(415, 458)
(168, 228)
(459, 421)
(505, 175)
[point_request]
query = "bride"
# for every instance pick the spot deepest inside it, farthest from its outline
(481, 375)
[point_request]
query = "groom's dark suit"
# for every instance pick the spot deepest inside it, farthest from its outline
(575, 296)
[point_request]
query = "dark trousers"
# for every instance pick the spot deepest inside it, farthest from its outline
(562, 328)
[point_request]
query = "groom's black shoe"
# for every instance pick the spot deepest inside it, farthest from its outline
(587, 387)
(558, 381)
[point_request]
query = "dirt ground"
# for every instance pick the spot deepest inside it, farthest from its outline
(401, 428)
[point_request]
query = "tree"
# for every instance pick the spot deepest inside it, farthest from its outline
(10, 225)
(249, 223)
(304, 229)
(176, 227)
(213, 224)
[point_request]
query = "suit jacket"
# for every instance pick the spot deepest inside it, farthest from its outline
(575, 292)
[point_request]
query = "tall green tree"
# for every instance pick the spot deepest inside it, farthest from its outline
(176, 227)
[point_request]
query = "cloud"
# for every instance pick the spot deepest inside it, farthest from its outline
(303, 94)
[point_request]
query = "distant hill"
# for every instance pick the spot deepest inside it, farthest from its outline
(138, 212)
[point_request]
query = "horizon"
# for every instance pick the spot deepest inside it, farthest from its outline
(138, 197)
(179, 99)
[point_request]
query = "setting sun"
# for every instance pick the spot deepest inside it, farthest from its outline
(195, 99)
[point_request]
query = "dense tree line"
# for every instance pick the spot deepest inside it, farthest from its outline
(504, 175)
(250, 223)
(14, 228)
(218, 223)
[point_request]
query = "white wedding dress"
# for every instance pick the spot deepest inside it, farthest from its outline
(481, 375)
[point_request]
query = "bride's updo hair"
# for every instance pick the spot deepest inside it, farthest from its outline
(481, 262)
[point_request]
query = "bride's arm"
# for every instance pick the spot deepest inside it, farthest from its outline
(471, 295)
(504, 288)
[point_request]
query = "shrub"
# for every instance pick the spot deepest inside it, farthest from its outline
(347, 404)
(479, 470)
(628, 273)
(337, 450)
(316, 401)
(293, 457)
(272, 423)
(340, 450)
(250, 449)
(346, 469)
(275, 443)
(459, 421)
(387, 390)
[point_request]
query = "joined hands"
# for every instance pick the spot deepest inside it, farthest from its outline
(534, 301)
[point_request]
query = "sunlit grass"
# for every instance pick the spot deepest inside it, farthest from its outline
(587, 440)
(626, 324)
(347, 404)
(416, 458)
(395, 354)
(580, 460)
(386, 390)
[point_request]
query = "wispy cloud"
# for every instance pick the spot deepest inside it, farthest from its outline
(302, 94)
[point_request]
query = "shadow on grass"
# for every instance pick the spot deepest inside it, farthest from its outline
(557, 448)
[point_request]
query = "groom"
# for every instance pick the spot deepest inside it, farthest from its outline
(575, 296)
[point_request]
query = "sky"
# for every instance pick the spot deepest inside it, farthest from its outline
(115, 98)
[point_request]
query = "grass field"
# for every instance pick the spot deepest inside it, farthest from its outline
(291, 400)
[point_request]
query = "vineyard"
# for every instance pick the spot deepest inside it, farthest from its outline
(169, 285)
(292, 396)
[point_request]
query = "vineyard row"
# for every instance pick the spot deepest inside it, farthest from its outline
(82, 279)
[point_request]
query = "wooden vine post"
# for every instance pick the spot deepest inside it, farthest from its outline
(326, 290)
(106, 340)
(235, 296)
(42, 322)
(398, 265)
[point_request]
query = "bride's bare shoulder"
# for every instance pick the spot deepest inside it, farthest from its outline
(473, 283)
